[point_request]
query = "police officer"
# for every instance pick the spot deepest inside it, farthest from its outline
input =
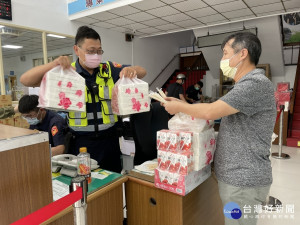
(175, 90)
(44, 120)
(95, 128)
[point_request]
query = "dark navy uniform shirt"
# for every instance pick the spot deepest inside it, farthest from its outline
(55, 125)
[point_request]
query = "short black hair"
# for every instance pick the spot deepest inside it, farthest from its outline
(245, 40)
(84, 32)
(200, 83)
(28, 103)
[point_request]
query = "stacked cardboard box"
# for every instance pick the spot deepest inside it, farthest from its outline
(178, 151)
(16, 120)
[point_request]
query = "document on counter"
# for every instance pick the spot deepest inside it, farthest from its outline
(60, 189)
(101, 175)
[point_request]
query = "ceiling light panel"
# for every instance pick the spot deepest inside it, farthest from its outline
(124, 10)
(102, 16)
(141, 16)
(267, 8)
(217, 2)
(135, 26)
(167, 27)
(177, 17)
(231, 6)
(274, 13)
(86, 20)
(150, 30)
(120, 21)
(155, 22)
(293, 4)
(189, 23)
(242, 18)
(12, 46)
(252, 3)
(119, 29)
(148, 4)
(238, 13)
(202, 12)
(104, 25)
(163, 11)
(189, 5)
(212, 18)
(170, 1)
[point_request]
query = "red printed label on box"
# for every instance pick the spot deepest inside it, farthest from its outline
(186, 141)
(172, 141)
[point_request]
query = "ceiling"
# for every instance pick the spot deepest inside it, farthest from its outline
(31, 42)
(155, 17)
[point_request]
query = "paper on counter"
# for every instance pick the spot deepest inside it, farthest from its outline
(60, 189)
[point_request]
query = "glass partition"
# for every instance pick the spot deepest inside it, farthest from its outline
(23, 49)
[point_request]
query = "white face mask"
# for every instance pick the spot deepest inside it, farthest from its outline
(227, 70)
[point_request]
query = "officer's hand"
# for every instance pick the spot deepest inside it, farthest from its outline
(63, 61)
(128, 72)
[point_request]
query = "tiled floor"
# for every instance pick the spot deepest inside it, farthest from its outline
(285, 187)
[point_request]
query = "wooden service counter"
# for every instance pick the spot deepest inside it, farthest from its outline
(104, 207)
(148, 205)
(26, 182)
(26, 172)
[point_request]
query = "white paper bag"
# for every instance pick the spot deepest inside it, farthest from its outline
(204, 146)
(130, 96)
(62, 90)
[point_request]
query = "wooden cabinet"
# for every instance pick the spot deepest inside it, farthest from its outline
(148, 205)
(104, 207)
(26, 183)
(226, 84)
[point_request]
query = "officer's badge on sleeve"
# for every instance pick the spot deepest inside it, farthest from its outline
(117, 65)
(54, 130)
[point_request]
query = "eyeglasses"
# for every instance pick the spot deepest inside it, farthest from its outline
(31, 115)
(93, 52)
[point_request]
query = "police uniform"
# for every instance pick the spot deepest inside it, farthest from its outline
(55, 125)
(96, 128)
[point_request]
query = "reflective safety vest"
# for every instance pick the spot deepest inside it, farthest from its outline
(79, 121)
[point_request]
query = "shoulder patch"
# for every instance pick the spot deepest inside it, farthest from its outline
(117, 65)
(54, 130)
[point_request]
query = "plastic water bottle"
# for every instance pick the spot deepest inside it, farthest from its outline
(84, 164)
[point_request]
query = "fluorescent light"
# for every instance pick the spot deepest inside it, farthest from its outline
(12, 46)
(56, 36)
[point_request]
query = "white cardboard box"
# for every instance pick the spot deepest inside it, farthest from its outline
(127, 147)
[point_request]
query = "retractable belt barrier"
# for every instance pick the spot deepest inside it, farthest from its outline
(54, 208)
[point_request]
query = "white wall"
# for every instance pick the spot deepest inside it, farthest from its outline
(19, 67)
(269, 33)
(50, 15)
(289, 76)
(208, 82)
(154, 53)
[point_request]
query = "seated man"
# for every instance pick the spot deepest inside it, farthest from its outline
(194, 92)
(44, 120)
